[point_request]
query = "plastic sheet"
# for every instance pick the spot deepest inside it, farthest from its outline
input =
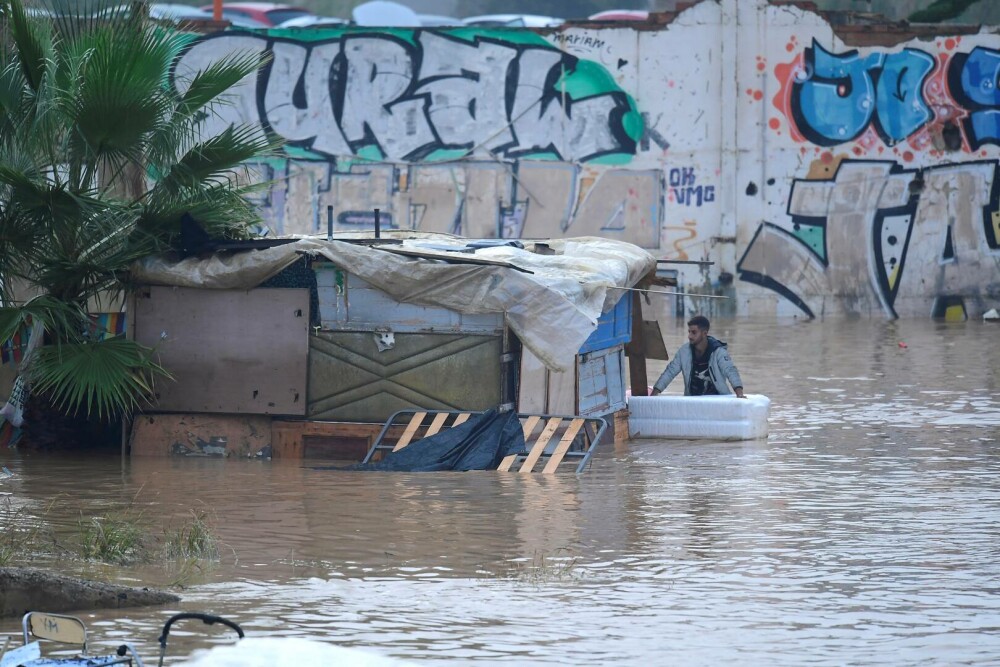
(481, 443)
(552, 310)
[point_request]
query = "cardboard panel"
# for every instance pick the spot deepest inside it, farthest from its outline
(229, 351)
(543, 391)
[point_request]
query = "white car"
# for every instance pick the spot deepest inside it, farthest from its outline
(436, 20)
(311, 21)
(385, 13)
(513, 20)
(169, 11)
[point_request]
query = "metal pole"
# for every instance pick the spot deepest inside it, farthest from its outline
(378, 225)
(329, 223)
(217, 10)
(659, 291)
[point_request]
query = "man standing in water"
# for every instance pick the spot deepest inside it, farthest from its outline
(705, 364)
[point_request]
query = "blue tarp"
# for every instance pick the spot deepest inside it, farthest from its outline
(481, 443)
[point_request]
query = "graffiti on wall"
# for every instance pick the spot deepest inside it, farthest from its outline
(529, 199)
(877, 236)
(686, 191)
(469, 131)
(908, 95)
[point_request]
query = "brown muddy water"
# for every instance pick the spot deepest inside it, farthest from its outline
(864, 530)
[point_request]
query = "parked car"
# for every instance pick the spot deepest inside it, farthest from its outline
(171, 11)
(432, 20)
(513, 20)
(620, 15)
(313, 22)
(265, 13)
(385, 13)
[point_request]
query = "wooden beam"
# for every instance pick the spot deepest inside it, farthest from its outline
(411, 429)
(635, 350)
(540, 444)
(563, 446)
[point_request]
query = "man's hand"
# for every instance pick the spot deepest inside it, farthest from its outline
(739, 392)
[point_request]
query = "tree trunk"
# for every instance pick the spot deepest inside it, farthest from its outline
(46, 428)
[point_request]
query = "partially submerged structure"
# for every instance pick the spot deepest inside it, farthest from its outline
(308, 346)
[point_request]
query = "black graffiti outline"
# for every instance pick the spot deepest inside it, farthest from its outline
(887, 294)
(766, 281)
(886, 291)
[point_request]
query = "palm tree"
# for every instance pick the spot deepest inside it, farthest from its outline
(100, 158)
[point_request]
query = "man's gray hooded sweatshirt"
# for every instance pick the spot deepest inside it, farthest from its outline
(720, 368)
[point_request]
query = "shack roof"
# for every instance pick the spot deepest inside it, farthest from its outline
(551, 292)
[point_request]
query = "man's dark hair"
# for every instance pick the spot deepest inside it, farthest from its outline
(699, 321)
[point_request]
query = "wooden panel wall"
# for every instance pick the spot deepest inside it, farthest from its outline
(229, 351)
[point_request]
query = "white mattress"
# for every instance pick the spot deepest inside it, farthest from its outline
(699, 417)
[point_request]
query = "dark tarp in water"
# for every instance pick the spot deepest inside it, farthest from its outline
(481, 443)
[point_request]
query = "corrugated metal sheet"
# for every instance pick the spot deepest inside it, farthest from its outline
(229, 351)
(351, 380)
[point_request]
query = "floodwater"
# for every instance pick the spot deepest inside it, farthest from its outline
(865, 530)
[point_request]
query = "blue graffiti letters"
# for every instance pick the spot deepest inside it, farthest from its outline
(836, 98)
(685, 191)
(975, 78)
(900, 107)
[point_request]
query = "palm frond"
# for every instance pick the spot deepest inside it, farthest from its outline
(87, 116)
(60, 318)
(223, 211)
(214, 160)
(210, 84)
(73, 19)
(29, 44)
(89, 261)
(122, 98)
(102, 379)
(18, 248)
(12, 84)
(36, 197)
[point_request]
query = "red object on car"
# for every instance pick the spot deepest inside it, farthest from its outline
(268, 13)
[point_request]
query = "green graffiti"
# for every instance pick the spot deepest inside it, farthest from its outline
(584, 90)
(814, 236)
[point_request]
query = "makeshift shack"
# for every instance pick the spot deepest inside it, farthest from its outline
(304, 349)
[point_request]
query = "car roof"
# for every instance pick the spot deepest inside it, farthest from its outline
(526, 20)
(257, 6)
(620, 15)
(438, 20)
(310, 21)
(176, 10)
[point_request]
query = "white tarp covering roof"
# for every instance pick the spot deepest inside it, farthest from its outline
(552, 310)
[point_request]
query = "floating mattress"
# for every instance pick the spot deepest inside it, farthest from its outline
(699, 417)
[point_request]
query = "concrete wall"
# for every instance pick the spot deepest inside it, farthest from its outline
(822, 178)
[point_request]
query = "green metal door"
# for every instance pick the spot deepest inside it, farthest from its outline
(350, 379)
